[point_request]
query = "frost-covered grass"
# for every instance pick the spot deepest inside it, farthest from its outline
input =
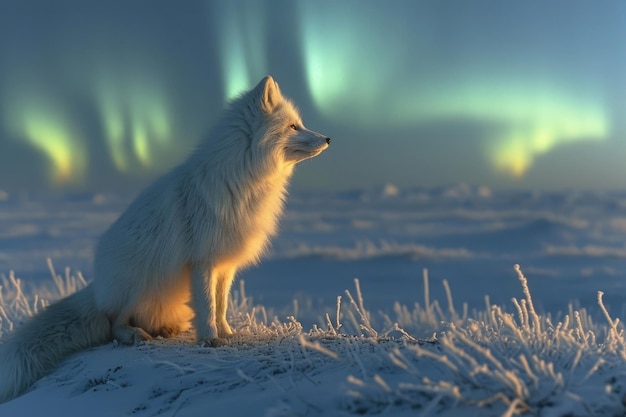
(425, 359)
(510, 364)
(18, 302)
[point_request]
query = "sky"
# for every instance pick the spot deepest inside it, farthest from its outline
(108, 95)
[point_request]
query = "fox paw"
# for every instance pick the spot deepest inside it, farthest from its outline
(226, 335)
(215, 342)
(167, 331)
(224, 330)
(129, 335)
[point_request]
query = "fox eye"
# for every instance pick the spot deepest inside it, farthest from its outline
(293, 126)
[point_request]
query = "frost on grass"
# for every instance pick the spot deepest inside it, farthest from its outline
(511, 364)
(435, 360)
(428, 359)
(18, 302)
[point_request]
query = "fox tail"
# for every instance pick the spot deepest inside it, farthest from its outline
(37, 346)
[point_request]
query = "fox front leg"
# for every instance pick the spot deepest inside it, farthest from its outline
(204, 303)
(224, 283)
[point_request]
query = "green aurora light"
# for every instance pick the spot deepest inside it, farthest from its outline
(355, 73)
(40, 122)
(365, 69)
(241, 45)
(135, 115)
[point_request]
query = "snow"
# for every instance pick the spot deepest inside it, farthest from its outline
(440, 322)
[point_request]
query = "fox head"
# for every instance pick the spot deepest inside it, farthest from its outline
(282, 133)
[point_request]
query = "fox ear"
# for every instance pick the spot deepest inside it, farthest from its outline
(270, 93)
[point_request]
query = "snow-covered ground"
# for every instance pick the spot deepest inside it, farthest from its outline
(438, 323)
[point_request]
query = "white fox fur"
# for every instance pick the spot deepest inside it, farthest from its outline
(173, 254)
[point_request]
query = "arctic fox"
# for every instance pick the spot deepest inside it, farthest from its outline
(173, 254)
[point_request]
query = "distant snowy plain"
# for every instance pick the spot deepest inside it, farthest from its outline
(438, 323)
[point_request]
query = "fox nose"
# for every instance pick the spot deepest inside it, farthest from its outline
(328, 141)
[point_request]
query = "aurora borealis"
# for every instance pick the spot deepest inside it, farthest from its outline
(102, 96)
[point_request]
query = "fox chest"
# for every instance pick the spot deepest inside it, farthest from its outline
(245, 229)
